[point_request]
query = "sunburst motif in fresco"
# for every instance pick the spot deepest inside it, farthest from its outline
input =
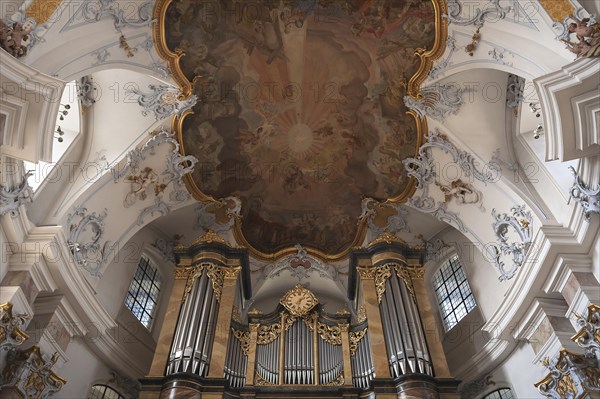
(301, 112)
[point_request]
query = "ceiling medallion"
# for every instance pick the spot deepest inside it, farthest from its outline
(299, 301)
(300, 146)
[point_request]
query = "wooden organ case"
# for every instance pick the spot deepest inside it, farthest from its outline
(376, 346)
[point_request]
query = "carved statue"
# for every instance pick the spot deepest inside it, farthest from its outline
(140, 184)
(464, 193)
(588, 36)
(13, 38)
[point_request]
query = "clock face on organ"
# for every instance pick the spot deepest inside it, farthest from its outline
(299, 301)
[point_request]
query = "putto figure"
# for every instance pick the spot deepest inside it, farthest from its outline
(13, 38)
(588, 36)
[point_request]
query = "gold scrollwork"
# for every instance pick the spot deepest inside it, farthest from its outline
(10, 326)
(337, 382)
(191, 274)
(258, 380)
(355, 337)
(244, 338)
(210, 236)
(268, 334)
(362, 314)
(331, 334)
(217, 276)
(382, 274)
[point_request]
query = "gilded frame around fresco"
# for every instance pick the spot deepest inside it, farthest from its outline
(413, 88)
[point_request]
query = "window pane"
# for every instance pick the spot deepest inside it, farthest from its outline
(143, 292)
(453, 292)
(104, 392)
(504, 393)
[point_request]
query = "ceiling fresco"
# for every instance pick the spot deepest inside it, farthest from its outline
(300, 112)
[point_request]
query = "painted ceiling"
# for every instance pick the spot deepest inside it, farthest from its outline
(300, 112)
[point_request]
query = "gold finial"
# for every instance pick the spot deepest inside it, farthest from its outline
(210, 236)
(388, 238)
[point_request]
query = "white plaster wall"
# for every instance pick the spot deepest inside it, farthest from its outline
(82, 368)
(519, 371)
(114, 284)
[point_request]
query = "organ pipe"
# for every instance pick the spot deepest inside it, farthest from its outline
(403, 331)
(192, 342)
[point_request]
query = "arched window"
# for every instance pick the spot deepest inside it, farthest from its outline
(453, 292)
(100, 391)
(143, 293)
(503, 393)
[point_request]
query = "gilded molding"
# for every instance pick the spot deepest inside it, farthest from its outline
(355, 338)
(244, 339)
(426, 59)
(11, 334)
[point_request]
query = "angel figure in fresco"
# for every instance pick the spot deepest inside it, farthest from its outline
(295, 179)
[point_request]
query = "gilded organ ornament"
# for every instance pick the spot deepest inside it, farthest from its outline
(299, 301)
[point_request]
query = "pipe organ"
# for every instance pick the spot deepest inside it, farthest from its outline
(404, 335)
(219, 336)
(192, 342)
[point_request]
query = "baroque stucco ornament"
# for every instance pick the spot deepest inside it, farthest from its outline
(478, 16)
(176, 167)
(12, 199)
(85, 232)
(520, 221)
(438, 101)
(11, 333)
(163, 101)
(29, 374)
(584, 195)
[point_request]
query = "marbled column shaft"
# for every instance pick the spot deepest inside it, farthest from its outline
(252, 354)
(161, 354)
(436, 351)
(380, 358)
(346, 354)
